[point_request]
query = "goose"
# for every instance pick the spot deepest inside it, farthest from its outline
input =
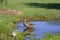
(26, 24)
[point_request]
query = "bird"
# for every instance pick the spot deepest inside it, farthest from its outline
(26, 24)
(29, 27)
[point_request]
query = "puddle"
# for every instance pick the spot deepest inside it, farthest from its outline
(41, 28)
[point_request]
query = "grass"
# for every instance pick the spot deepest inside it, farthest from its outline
(32, 12)
(52, 37)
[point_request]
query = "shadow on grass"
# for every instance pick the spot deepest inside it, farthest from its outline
(43, 5)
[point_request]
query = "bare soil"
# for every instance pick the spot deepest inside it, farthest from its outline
(10, 12)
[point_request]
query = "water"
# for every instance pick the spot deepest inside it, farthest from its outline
(42, 27)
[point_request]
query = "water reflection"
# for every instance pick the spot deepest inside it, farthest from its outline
(42, 28)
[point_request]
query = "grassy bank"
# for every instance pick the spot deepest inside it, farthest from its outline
(52, 37)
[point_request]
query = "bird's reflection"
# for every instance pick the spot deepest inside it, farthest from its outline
(28, 30)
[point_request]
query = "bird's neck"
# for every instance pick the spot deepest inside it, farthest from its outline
(24, 20)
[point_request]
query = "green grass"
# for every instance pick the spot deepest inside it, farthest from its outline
(6, 21)
(34, 11)
(52, 37)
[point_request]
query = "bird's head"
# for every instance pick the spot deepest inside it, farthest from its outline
(24, 18)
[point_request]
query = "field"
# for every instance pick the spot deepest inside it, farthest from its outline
(40, 8)
(34, 10)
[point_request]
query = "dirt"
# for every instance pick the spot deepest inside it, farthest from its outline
(10, 12)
